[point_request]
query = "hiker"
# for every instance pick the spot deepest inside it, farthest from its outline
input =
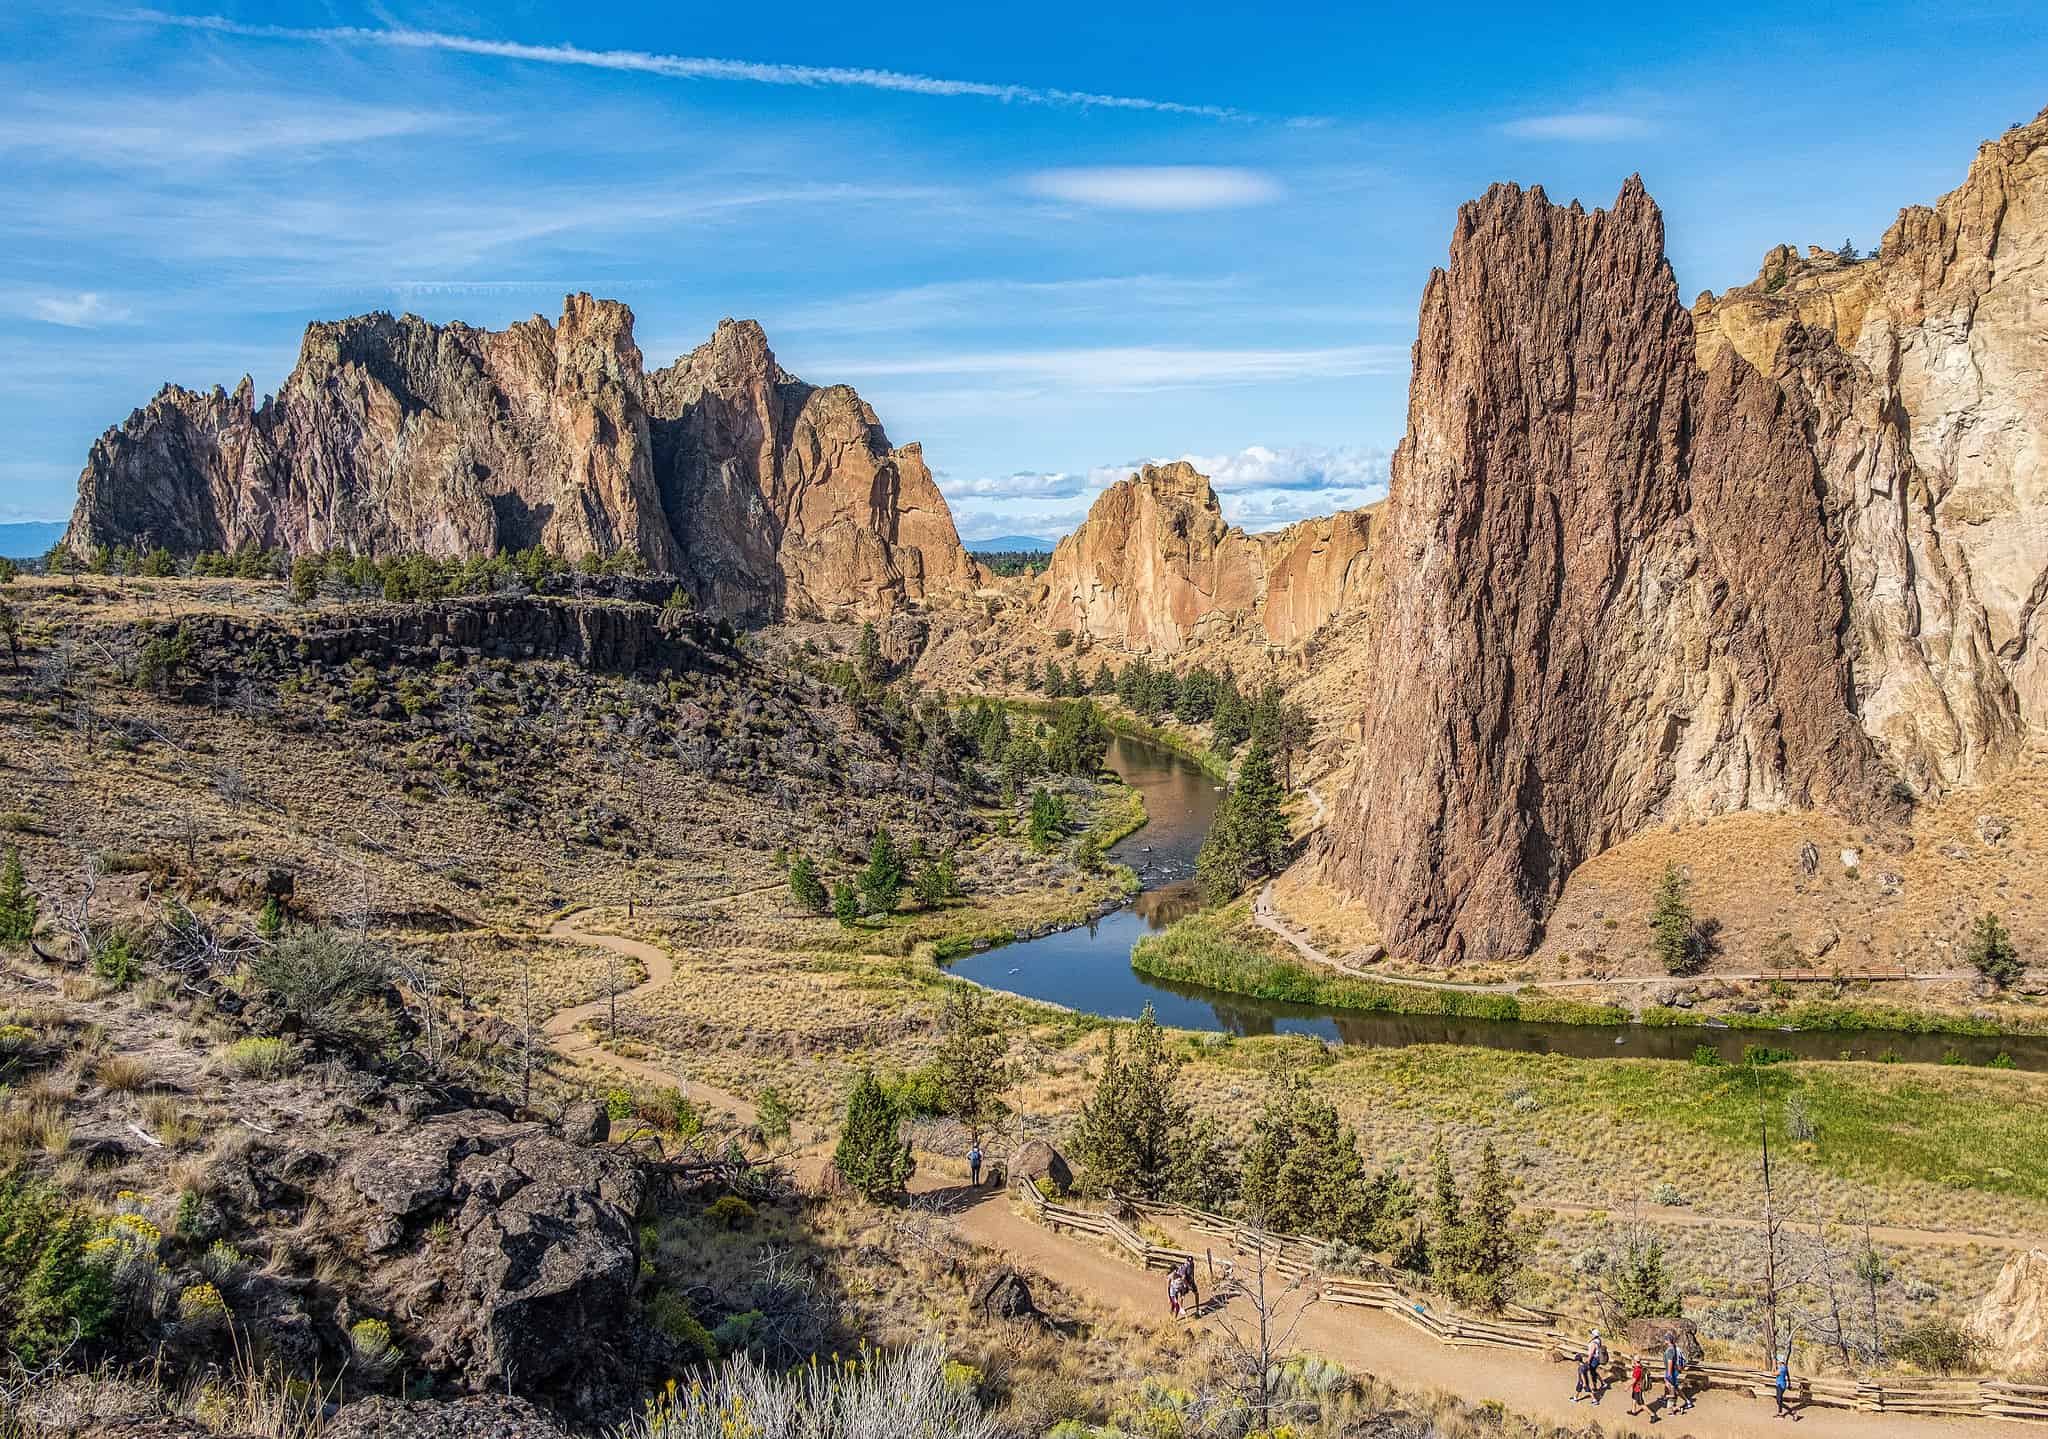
(1588, 1380)
(1637, 1380)
(1671, 1365)
(974, 1165)
(1190, 1297)
(1173, 1291)
(1684, 1399)
(1781, 1384)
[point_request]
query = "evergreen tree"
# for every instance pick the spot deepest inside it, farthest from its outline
(1048, 819)
(882, 881)
(806, 888)
(868, 659)
(1204, 1173)
(845, 904)
(1105, 680)
(1492, 1245)
(308, 571)
(1248, 837)
(1674, 934)
(270, 920)
(677, 603)
(17, 903)
(1302, 1173)
(871, 1156)
(10, 627)
(1132, 1134)
(1991, 953)
(1078, 740)
(936, 882)
(973, 1062)
(1446, 1216)
(1641, 1289)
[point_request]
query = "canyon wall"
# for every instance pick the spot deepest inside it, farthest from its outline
(1605, 592)
(1154, 568)
(394, 435)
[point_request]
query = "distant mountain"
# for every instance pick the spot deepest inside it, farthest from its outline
(30, 539)
(1012, 544)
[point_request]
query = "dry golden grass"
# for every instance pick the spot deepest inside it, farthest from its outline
(123, 1073)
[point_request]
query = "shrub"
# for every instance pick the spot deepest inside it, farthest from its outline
(1674, 933)
(877, 1394)
(619, 1104)
(123, 1073)
(729, 1211)
(200, 1306)
(371, 1347)
(118, 959)
(670, 1312)
(222, 1262)
(323, 980)
(17, 904)
(1937, 1346)
(53, 1286)
(1707, 1057)
(260, 1058)
(1990, 951)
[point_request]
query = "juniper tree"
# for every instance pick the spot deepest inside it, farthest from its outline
(972, 1061)
(1248, 837)
(882, 881)
(1991, 953)
(805, 888)
(871, 1155)
(1674, 933)
(845, 904)
(17, 903)
(1134, 1128)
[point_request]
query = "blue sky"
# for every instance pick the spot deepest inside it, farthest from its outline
(1048, 241)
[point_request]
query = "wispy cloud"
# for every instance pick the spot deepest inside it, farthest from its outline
(1157, 187)
(201, 129)
(690, 67)
(85, 311)
(1136, 367)
(1595, 126)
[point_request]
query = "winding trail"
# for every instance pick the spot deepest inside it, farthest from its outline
(1362, 1340)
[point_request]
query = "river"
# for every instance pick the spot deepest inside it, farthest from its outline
(1088, 968)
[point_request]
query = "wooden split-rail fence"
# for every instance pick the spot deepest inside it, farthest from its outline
(1516, 1326)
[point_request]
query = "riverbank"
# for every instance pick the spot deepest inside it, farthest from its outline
(1223, 950)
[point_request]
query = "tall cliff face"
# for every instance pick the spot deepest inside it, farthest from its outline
(1606, 591)
(1927, 372)
(1154, 568)
(780, 488)
(394, 435)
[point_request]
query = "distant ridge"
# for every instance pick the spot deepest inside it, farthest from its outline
(31, 539)
(1012, 544)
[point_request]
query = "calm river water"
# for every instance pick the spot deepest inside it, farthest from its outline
(1089, 968)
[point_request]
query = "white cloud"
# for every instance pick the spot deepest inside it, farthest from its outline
(1157, 187)
(1134, 368)
(205, 128)
(1296, 467)
(690, 67)
(1578, 125)
(85, 311)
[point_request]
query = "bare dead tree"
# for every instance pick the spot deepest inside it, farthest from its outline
(1833, 1274)
(1874, 1273)
(76, 917)
(1255, 1347)
(1773, 1238)
(419, 986)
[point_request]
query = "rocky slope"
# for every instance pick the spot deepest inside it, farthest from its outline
(395, 435)
(1154, 568)
(1606, 591)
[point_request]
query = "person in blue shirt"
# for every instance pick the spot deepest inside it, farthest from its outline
(974, 1166)
(1784, 1382)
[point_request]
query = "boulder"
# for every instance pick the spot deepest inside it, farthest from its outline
(1035, 1160)
(412, 1168)
(547, 1261)
(586, 1123)
(472, 1416)
(1003, 1294)
(1646, 1337)
(2012, 1322)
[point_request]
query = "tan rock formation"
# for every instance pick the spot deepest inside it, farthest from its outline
(1605, 592)
(783, 489)
(1927, 369)
(2012, 1322)
(394, 435)
(1155, 569)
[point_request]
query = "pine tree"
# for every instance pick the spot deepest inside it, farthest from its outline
(845, 904)
(1133, 1132)
(1248, 837)
(806, 888)
(882, 881)
(1302, 1173)
(973, 1060)
(270, 920)
(17, 903)
(869, 659)
(871, 1155)
(1048, 819)
(1446, 1216)
(1991, 953)
(1641, 1289)
(1492, 1245)
(1674, 934)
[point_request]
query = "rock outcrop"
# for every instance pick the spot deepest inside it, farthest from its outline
(2012, 1321)
(1926, 370)
(1154, 568)
(1605, 592)
(395, 435)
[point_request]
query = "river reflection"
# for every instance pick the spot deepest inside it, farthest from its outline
(1089, 968)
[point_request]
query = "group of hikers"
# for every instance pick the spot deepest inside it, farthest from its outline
(1591, 1381)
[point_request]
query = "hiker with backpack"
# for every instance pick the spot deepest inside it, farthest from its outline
(1672, 1364)
(1588, 1382)
(1637, 1380)
(1780, 1384)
